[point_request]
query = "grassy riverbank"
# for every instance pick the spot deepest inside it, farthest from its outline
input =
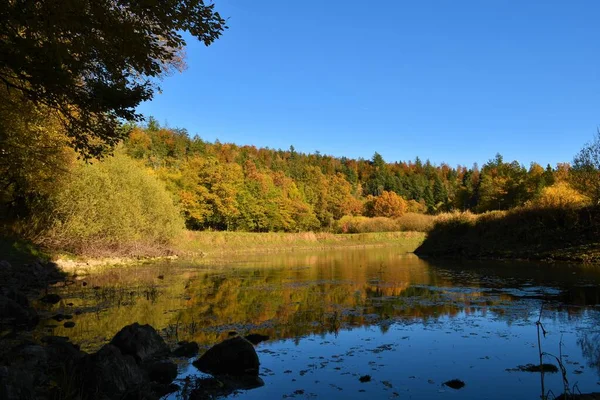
(565, 233)
(210, 246)
(216, 243)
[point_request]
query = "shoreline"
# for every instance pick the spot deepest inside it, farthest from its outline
(206, 247)
(543, 234)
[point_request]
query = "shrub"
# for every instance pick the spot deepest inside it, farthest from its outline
(112, 204)
(352, 224)
(416, 222)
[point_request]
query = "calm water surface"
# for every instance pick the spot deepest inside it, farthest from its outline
(334, 316)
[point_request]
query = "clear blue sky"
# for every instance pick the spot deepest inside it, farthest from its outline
(450, 80)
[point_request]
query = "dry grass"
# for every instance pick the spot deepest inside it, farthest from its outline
(416, 222)
(409, 222)
(208, 242)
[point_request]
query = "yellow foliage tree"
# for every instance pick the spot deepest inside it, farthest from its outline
(559, 195)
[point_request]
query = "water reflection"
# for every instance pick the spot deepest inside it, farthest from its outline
(444, 310)
(293, 295)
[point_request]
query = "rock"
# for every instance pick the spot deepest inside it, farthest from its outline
(58, 317)
(13, 387)
(18, 315)
(161, 390)
(186, 349)
(54, 339)
(62, 354)
(19, 297)
(25, 373)
(69, 324)
(38, 271)
(140, 341)
(235, 356)
(5, 267)
(112, 373)
(455, 384)
(162, 371)
(35, 356)
(256, 338)
(50, 298)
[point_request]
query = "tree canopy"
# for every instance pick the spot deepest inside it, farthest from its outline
(91, 62)
(586, 169)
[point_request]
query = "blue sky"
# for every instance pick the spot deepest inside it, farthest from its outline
(449, 80)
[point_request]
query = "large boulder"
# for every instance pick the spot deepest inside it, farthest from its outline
(235, 356)
(25, 373)
(112, 374)
(141, 342)
(62, 354)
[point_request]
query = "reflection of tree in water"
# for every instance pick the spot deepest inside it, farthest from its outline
(589, 341)
(315, 294)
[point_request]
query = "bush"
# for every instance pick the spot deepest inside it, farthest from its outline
(407, 222)
(416, 222)
(115, 204)
(352, 224)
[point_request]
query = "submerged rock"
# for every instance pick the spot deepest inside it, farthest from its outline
(235, 356)
(140, 341)
(186, 349)
(455, 384)
(50, 298)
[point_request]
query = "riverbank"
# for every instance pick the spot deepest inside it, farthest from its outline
(213, 244)
(562, 234)
(208, 246)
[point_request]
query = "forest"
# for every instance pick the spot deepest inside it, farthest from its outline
(80, 167)
(160, 181)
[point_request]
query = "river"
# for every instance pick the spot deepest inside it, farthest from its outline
(334, 317)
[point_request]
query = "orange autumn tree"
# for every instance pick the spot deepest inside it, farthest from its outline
(387, 204)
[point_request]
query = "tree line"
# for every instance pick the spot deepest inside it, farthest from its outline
(224, 186)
